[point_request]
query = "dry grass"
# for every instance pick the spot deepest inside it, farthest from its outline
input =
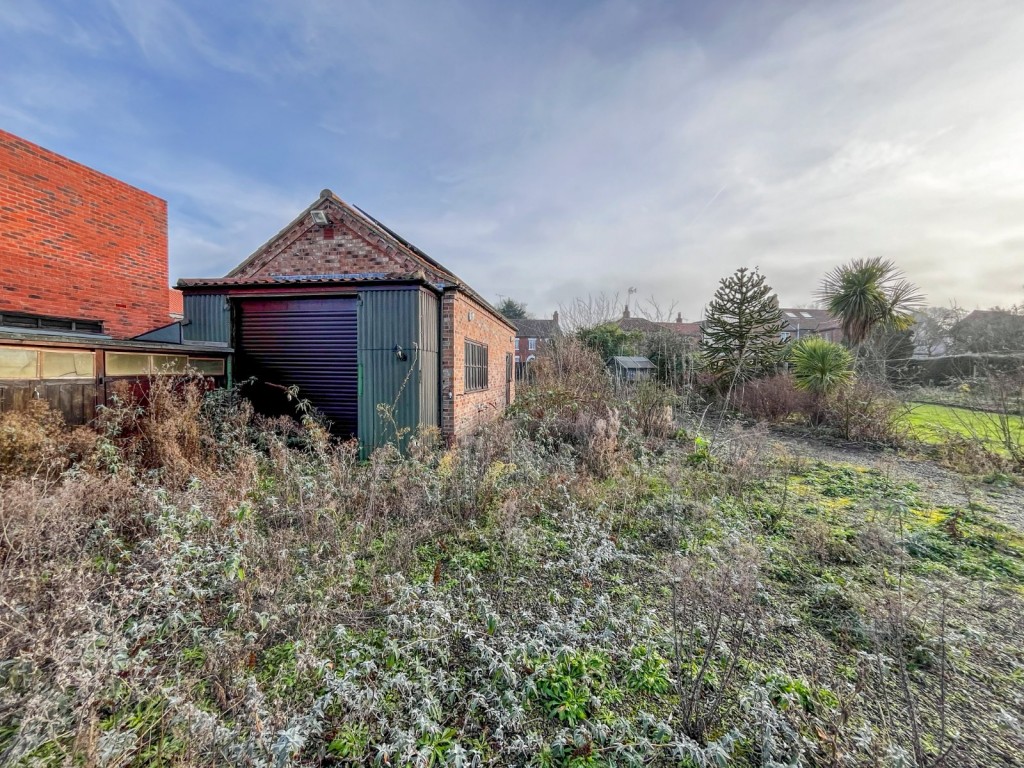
(205, 587)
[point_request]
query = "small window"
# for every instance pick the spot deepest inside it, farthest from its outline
(169, 364)
(68, 365)
(45, 322)
(136, 364)
(790, 314)
(208, 366)
(807, 315)
(18, 363)
(533, 345)
(127, 364)
(476, 366)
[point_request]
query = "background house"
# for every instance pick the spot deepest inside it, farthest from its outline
(531, 337)
(381, 338)
(801, 323)
(989, 330)
(83, 275)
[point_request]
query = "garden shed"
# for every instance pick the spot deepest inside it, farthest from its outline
(628, 369)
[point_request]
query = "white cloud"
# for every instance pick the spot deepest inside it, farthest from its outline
(887, 131)
(544, 152)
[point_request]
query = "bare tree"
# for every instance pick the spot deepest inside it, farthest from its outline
(590, 311)
(651, 309)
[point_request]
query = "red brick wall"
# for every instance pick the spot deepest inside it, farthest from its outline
(345, 247)
(463, 412)
(76, 243)
(524, 351)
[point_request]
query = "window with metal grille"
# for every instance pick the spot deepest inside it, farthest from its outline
(476, 366)
(45, 323)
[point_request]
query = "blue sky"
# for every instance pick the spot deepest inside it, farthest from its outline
(553, 150)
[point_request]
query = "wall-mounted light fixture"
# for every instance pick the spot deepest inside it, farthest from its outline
(400, 353)
(320, 218)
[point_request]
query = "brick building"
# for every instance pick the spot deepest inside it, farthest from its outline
(532, 335)
(801, 323)
(83, 275)
(375, 333)
(79, 246)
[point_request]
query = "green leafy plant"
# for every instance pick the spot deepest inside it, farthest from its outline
(868, 293)
(350, 743)
(566, 688)
(647, 671)
(438, 745)
(820, 366)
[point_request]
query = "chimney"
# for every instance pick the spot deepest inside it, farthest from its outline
(679, 317)
(555, 317)
(625, 312)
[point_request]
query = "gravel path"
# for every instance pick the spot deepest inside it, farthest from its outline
(939, 486)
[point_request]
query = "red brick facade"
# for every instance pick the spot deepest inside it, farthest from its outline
(78, 244)
(464, 318)
(347, 245)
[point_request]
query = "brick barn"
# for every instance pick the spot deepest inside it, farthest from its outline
(83, 283)
(381, 338)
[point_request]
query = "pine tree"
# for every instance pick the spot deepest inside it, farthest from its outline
(512, 309)
(742, 329)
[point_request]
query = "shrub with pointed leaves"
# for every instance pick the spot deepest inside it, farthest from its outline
(820, 366)
(742, 330)
(869, 293)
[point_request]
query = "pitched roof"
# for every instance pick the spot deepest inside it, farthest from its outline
(369, 227)
(543, 328)
(696, 330)
(808, 319)
(633, 363)
(643, 325)
(991, 314)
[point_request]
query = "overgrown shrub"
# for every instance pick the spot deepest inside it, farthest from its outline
(650, 406)
(231, 590)
(773, 399)
(36, 441)
(571, 402)
(866, 411)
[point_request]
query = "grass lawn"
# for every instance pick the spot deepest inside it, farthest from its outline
(932, 423)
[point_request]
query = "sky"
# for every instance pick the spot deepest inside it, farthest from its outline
(553, 150)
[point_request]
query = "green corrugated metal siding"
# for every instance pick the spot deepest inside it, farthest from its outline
(388, 319)
(430, 360)
(207, 318)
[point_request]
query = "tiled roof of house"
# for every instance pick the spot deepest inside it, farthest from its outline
(991, 314)
(218, 282)
(536, 328)
(643, 325)
(695, 330)
(393, 239)
(816, 320)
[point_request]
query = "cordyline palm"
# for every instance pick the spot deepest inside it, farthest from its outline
(868, 293)
(820, 366)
